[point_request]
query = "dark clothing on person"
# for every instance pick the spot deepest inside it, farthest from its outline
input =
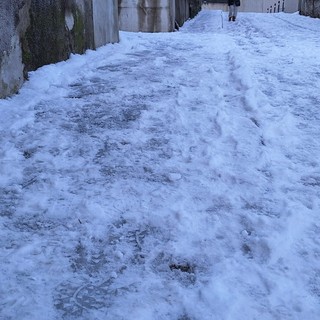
(233, 9)
(232, 2)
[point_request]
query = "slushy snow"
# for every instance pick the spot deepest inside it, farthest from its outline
(170, 176)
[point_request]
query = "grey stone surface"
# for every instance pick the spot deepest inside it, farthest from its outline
(105, 22)
(6, 25)
(147, 15)
(57, 29)
(182, 11)
(13, 22)
(39, 32)
(310, 8)
(155, 15)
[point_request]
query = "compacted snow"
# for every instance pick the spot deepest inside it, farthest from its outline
(170, 176)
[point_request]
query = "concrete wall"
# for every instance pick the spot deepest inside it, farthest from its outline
(186, 9)
(262, 6)
(56, 29)
(291, 6)
(105, 22)
(12, 25)
(310, 8)
(182, 11)
(39, 32)
(155, 15)
(195, 7)
(147, 15)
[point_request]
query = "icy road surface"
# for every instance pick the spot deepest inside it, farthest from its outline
(170, 176)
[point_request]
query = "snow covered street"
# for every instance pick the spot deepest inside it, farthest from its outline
(172, 176)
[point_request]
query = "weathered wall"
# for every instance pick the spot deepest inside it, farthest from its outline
(56, 29)
(186, 9)
(39, 32)
(182, 11)
(195, 7)
(310, 8)
(155, 15)
(13, 23)
(291, 6)
(105, 22)
(147, 15)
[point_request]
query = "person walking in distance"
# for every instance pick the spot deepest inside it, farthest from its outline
(233, 9)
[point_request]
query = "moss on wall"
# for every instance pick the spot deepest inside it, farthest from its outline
(44, 40)
(3, 87)
(48, 40)
(82, 34)
(39, 32)
(78, 31)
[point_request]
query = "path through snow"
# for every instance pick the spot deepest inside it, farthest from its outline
(171, 176)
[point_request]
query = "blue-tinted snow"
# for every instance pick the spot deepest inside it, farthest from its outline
(171, 176)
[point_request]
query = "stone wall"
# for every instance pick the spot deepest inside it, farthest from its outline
(12, 25)
(39, 32)
(310, 8)
(56, 29)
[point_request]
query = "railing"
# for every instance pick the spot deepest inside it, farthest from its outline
(276, 7)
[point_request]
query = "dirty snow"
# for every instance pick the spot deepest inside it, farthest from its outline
(170, 176)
